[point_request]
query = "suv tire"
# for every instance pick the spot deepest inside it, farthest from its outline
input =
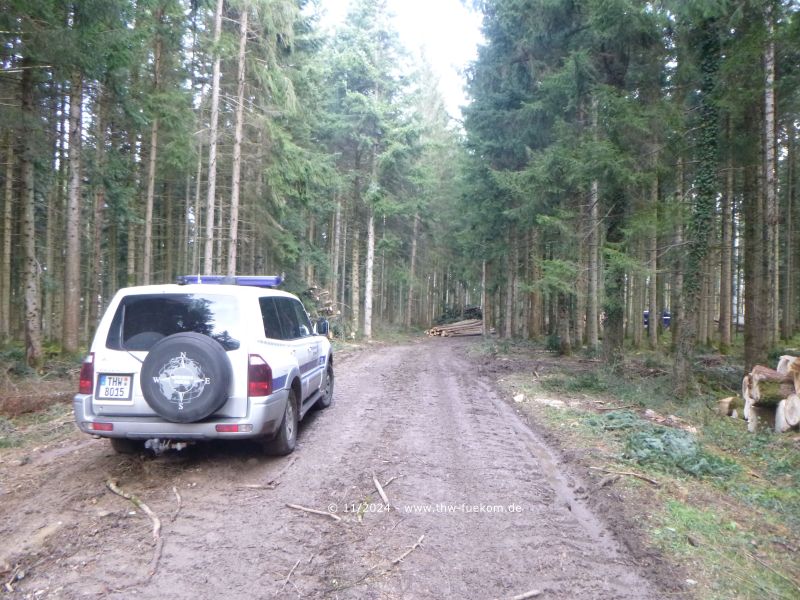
(327, 391)
(186, 377)
(126, 446)
(286, 439)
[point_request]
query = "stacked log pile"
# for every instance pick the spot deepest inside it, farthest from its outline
(769, 393)
(467, 327)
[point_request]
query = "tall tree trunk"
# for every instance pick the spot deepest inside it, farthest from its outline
(355, 284)
(208, 259)
(198, 208)
(510, 276)
(702, 218)
(237, 143)
(653, 307)
(790, 281)
(726, 263)
(98, 266)
(5, 261)
(755, 334)
(72, 259)
(770, 187)
(368, 274)
(33, 333)
(412, 273)
(484, 296)
(593, 300)
(147, 257)
(337, 248)
(676, 293)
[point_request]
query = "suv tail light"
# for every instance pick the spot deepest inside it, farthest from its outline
(259, 377)
(86, 380)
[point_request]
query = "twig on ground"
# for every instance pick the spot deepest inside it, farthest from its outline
(256, 486)
(381, 493)
(288, 577)
(391, 479)
(112, 485)
(527, 595)
(180, 502)
(629, 474)
(601, 408)
(407, 552)
(315, 511)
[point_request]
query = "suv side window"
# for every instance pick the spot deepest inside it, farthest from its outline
(288, 318)
(271, 319)
(302, 318)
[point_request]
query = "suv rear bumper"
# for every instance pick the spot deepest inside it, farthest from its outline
(264, 415)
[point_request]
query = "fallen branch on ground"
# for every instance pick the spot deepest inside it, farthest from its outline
(407, 552)
(112, 485)
(288, 577)
(390, 480)
(180, 502)
(629, 474)
(314, 511)
(378, 487)
(527, 595)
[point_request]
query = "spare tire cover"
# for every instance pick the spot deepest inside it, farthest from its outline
(186, 377)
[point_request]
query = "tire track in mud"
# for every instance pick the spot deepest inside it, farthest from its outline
(419, 413)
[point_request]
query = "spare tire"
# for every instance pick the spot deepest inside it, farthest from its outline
(186, 377)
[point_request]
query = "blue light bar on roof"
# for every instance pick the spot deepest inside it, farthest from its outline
(268, 281)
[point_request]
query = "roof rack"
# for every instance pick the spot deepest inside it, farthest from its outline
(264, 281)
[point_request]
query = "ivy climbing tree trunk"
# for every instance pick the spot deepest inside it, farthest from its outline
(703, 209)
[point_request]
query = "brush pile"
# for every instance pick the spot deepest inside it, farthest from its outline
(462, 328)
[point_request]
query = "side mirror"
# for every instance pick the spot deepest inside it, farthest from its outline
(323, 327)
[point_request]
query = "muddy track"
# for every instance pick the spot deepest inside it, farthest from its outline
(495, 512)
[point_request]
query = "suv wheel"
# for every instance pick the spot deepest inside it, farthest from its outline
(327, 391)
(126, 446)
(286, 439)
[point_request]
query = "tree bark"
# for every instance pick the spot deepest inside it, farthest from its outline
(368, 276)
(97, 264)
(726, 263)
(652, 289)
(33, 332)
(337, 248)
(770, 187)
(412, 274)
(355, 284)
(208, 258)
(791, 280)
(237, 143)
(703, 207)
(5, 262)
(147, 255)
(72, 254)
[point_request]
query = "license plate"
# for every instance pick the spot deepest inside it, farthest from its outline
(113, 387)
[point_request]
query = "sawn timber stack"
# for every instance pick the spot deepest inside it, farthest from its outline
(468, 327)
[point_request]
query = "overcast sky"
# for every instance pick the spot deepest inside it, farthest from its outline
(445, 30)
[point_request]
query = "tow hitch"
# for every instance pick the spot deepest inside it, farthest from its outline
(158, 447)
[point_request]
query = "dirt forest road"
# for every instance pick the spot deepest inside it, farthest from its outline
(480, 507)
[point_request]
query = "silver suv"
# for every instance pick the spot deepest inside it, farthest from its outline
(210, 357)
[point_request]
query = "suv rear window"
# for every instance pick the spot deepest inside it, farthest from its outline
(142, 320)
